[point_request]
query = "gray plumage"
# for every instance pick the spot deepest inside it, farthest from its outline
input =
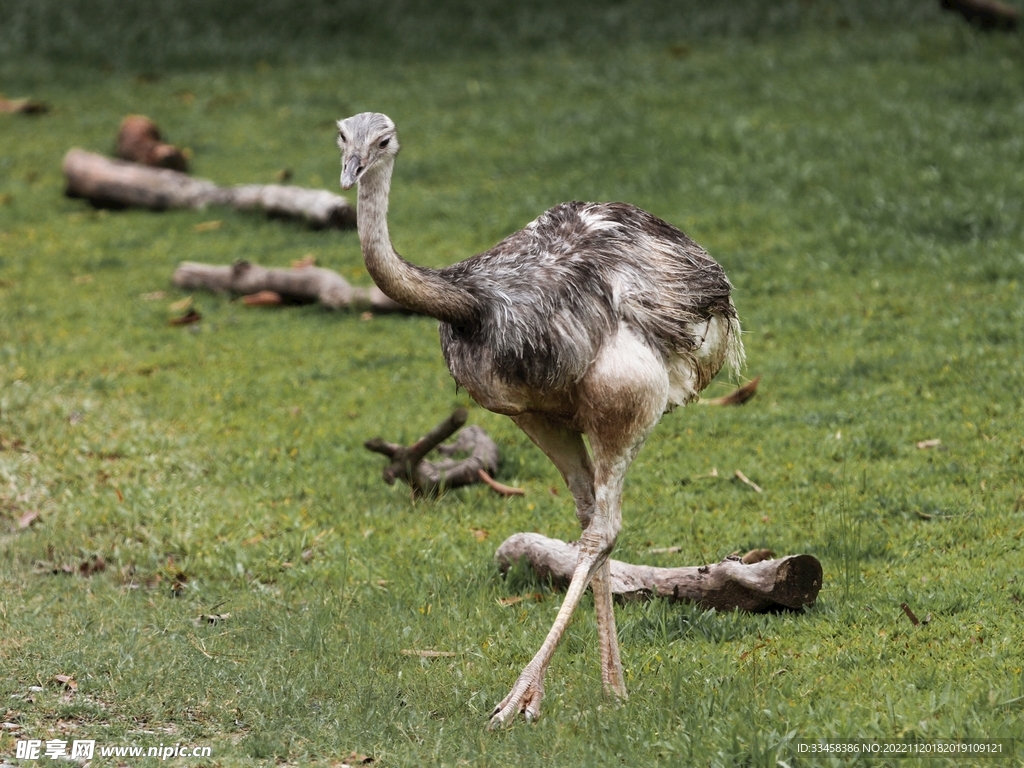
(550, 294)
(592, 320)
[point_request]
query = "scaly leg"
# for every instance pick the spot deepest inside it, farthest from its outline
(624, 401)
(568, 452)
(528, 690)
(611, 665)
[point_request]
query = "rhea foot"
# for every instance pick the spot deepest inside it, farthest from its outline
(524, 697)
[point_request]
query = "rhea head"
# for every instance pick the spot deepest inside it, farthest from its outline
(364, 140)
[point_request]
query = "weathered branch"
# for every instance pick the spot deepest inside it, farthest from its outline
(791, 582)
(427, 477)
(139, 141)
(116, 182)
(299, 284)
(987, 14)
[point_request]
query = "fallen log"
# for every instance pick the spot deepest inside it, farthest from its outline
(788, 583)
(430, 478)
(119, 183)
(298, 284)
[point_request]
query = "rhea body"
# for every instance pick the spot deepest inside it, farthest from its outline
(594, 319)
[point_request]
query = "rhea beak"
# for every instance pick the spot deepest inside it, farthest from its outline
(351, 170)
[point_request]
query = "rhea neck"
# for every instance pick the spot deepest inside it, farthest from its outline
(417, 288)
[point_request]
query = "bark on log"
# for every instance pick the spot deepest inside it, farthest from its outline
(429, 478)
(302, 284)
(790, 582)
(116, 182)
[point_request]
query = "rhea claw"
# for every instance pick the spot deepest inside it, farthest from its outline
(524, 697)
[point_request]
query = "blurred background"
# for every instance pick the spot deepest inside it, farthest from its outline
(198, 33)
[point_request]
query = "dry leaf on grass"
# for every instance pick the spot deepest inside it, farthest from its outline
(537, 597)
(428, 654)
(355, 758)
(27, 519)
(499, 488)
(925, 444)
(178, 584)
(756, 556)
(737, 396)
(92, 564)
(262, 299)
(211, 618)
(187, 319)
(67, 681)
(12, 444)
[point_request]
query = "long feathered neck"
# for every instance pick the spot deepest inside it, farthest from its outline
(418, 288)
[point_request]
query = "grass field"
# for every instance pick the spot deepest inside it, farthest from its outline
(862, 184)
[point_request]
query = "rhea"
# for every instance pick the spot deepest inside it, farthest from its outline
(593, 320)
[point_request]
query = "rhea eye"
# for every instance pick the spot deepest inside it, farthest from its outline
(384, 142)
(342, 138)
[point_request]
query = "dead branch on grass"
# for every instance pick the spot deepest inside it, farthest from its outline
(791, 582)
(139, 141)
(120, 183)
(429, 478)
(298, 284)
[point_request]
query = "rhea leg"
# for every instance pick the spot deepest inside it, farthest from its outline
(568, 452)
(612, 677)
(620, 400)
(598, 498)
(610, 487)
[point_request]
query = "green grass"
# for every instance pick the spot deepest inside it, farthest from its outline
(863, 188)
